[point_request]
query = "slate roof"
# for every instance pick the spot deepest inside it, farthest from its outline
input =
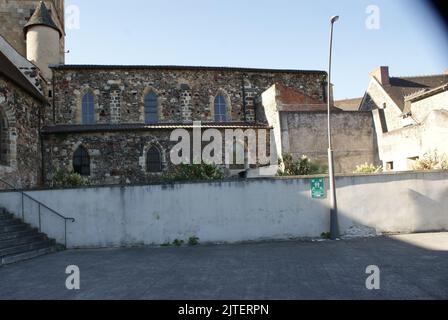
(10, 71)
(400, 87)
(42, 17)
(174, 67)
(349, 104)
(80, 128)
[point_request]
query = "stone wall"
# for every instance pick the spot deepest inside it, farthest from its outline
(184, 94)
(353, 137)
(14, 14)
(378, 98)
(116, 157)
(20, 116)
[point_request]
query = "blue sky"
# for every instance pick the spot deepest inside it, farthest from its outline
(291, 34)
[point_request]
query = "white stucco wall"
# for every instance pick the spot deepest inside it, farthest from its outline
(400, 145)
(421, 108)
(42, 48)
(239, 211)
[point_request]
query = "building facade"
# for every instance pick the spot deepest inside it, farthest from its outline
(410, 115)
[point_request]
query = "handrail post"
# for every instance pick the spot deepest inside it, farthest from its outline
(65, 233)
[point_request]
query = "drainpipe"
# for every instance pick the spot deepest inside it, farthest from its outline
(53, 94)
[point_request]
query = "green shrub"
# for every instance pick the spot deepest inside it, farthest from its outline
(178, 242)
(69, 179)
(432, 161)
(193, 241)
(302, 166)
(325, 235)
(368, 168)
(193, 172)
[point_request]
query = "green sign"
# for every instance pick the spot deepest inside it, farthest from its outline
(318, 189)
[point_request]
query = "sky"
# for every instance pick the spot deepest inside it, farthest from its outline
(282, 34)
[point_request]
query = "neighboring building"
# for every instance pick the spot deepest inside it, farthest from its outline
(411, 116)
(348, 104)
(113, 123)
(300, 128)
(118, 113)
(21, 113)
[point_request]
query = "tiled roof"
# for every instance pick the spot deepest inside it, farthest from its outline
(42, 17)
(10, 71)
(172, 67)
(349, 104)
(80, 128)
(400, 87)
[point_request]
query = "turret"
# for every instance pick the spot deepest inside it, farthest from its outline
(42, 40)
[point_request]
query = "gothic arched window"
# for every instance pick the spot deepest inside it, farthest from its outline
(153, 160)
(151, 114)
(88, 109)
(220, 109)
(81, 162)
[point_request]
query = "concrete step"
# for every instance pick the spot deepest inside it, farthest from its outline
(6, 216)
(10, 222)
(13, 258)
(17, 234)
(36, 245)
(18, 227)
(22, 240)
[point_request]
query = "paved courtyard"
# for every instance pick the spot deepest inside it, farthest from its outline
(412, 267)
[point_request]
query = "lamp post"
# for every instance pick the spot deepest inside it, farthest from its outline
(334, 229)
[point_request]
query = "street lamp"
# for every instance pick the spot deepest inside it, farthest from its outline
(334, 229)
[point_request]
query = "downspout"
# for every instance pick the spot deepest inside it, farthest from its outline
(53, 95)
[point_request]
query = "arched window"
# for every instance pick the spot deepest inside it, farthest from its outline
(220, 109)
(151, 115)
(81, 162)
(88, 110)
(153, 160)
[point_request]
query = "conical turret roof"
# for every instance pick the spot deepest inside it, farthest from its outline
(42, 17)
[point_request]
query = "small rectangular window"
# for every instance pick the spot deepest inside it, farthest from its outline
(50, 94)
(390, 166)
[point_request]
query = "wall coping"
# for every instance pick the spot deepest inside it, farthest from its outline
(338, 176)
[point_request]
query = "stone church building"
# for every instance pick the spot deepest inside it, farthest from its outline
(112, 123)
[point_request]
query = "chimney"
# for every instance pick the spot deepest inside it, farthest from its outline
(382, 75)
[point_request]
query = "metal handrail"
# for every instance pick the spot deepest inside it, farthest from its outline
(40, 204)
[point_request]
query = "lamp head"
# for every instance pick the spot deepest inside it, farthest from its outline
(334, 19)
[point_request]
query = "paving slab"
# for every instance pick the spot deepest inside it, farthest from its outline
(411, 267)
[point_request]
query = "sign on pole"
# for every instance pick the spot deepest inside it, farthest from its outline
(318, 189)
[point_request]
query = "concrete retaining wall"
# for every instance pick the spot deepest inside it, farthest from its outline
(238, 211)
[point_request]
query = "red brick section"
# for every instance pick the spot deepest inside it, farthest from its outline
(293, 100)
